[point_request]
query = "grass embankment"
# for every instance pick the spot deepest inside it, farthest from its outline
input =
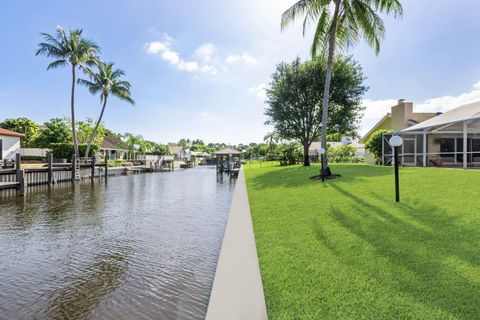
(346, 250)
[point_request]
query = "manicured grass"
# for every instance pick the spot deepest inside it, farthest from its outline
(346, 250)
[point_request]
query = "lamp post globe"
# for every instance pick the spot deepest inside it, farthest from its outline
(396, 141)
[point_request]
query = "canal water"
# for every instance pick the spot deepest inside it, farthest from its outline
(137, 247)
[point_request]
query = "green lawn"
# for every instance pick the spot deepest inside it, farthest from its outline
(346, 250)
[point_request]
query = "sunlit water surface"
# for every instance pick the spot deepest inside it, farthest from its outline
(138, 247)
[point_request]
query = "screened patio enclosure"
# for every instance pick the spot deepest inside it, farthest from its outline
(451, 139)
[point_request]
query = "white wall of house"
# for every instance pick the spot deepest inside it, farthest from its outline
(10, 147)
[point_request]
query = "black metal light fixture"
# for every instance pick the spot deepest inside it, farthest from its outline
(396, 142)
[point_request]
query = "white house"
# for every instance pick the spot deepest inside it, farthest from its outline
(9, 144)
(179, 152)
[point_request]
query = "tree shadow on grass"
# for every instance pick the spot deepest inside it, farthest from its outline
(296, 176)
(423, 240)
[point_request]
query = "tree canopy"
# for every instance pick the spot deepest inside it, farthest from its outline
(23, 125)
(56, 130)
(296, 92)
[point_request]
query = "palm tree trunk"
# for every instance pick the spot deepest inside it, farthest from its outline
(72, 106)
(92, 136)
(328, 78)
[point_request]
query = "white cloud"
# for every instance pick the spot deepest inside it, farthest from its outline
(245, 58)
(163, 50)
(376, 109)
(206, 51)
(259, 91)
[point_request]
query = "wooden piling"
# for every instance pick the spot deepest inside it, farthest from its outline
(94, 160)
(50, 168)
(73, 167)
(21, 182)
(106, 167)
(18, 161)
(20, 174)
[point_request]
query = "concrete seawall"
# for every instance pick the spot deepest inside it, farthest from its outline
(237, 292)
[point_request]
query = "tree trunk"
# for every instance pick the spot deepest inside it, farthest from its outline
(72, 107)
(328, 78)
(92, 136)
(306, 158)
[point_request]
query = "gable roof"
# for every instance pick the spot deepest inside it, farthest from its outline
(113, 143)
(375, 127)
(10, 133)
(175, 149)
(466, 112)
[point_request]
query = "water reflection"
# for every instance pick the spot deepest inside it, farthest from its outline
(143, 247)
(89, 286)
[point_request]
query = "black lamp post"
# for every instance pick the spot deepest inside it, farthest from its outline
(396, 142)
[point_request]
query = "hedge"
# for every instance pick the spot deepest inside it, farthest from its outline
(65, 150)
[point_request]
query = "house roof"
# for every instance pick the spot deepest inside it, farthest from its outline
(175, 149)
(113, 143)
(462, 113)
(227, 151)
(375, 127)
(10, 133)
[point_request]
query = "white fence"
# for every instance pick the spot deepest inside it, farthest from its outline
(34, 152)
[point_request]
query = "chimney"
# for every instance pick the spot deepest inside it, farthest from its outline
(400, 114)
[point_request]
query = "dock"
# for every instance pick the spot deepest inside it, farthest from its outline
(8, 185)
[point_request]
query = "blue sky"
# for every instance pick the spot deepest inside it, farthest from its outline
(198, 67)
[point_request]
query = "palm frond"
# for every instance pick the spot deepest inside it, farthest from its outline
(57, 64)
(294, 12)
(321, 35)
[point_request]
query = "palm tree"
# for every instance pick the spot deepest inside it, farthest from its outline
(107, 80)
(271, 137)
(340, 23)
(69, 49)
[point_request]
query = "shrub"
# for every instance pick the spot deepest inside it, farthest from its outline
(374, 144)
(344, 153)
(33, 158)
(65, 150)
(291, 153)
(117, 163)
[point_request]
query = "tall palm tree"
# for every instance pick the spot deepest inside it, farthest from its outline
(69, 49)
(340, 23)
(107, 80)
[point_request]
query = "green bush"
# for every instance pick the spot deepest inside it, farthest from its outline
(65, 150)
(344, 153)
(117, 163)
(33, 158)
(374, 144)
(291, 153)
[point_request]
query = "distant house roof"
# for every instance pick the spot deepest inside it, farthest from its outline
(10, 133)
(175, 149)
(466, 112)
(113, 143)
(227, 151)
